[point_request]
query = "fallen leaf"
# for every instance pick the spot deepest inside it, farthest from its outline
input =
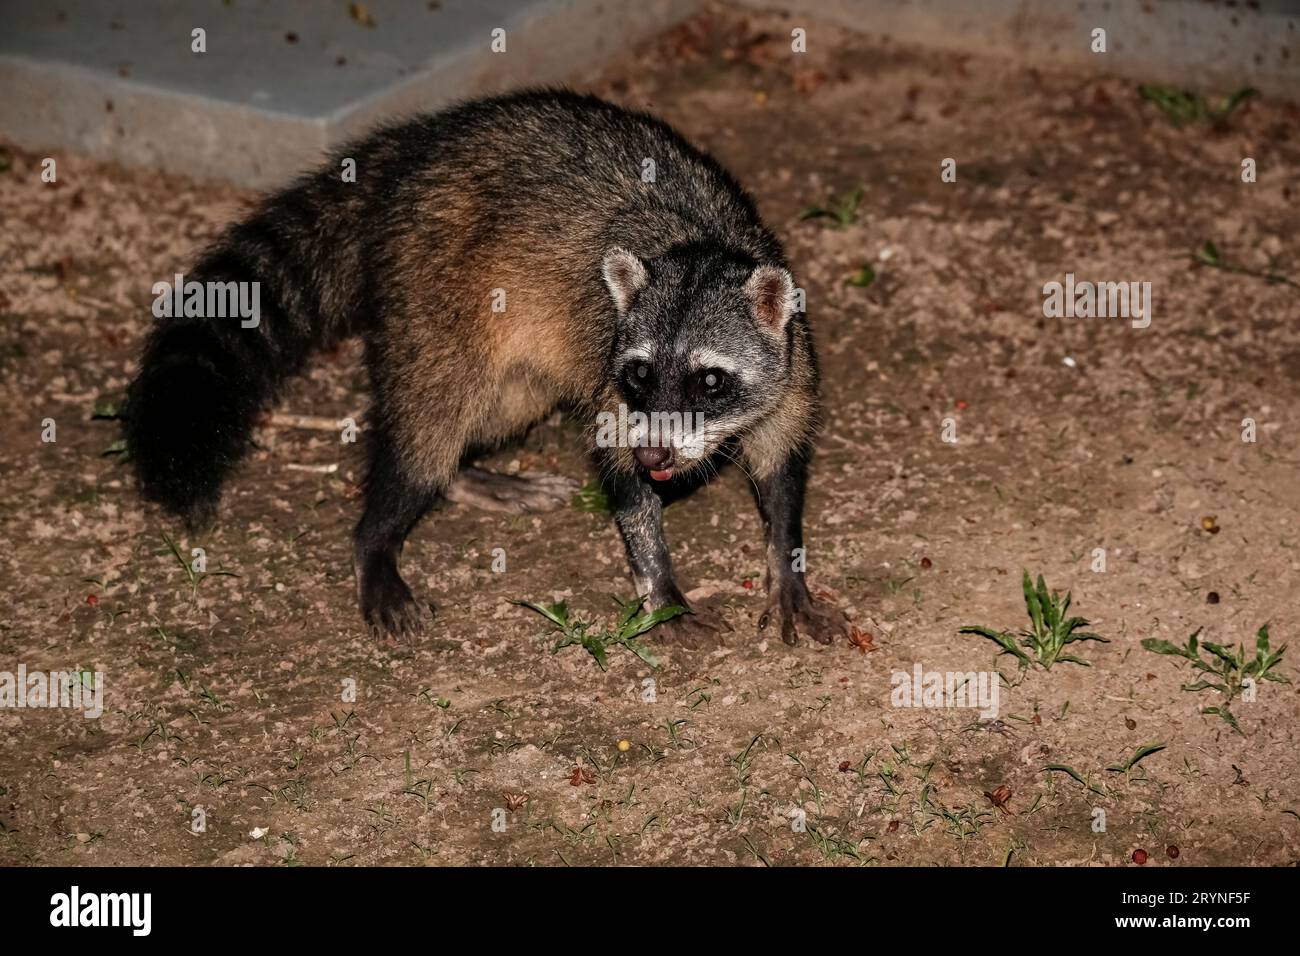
(580, 776)
(862, 640)
(361, 14)
(999, 797)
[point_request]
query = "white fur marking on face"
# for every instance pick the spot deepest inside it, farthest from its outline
(716, 431)
(708, 358)
(639, 353)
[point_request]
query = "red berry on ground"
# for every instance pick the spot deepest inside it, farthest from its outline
(927, 563)
(747, 584)
(1172, 851)
(92, 600)
(1139, 856)
(845, 766)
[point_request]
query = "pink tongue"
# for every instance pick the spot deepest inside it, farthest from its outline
(662, 475)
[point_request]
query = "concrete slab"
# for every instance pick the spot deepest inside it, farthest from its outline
(280, 80)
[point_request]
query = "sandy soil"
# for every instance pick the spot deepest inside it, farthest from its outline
(1072, 435)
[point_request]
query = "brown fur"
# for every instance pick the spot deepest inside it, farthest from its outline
(527, 194)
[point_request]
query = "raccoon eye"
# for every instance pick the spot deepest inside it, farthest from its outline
(637, 375)
(713, 381)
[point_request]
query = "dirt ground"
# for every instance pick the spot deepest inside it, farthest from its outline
(228, 694)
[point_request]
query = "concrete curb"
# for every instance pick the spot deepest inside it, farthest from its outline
(257, 108)
(63, 91)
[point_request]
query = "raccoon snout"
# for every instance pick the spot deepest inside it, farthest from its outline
(657, 461)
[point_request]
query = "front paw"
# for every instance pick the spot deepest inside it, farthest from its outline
(791, 604)
(694, 629)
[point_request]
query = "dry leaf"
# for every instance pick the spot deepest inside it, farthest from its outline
(580, 776)
(999, 797)
(361, 14)
(862, 640)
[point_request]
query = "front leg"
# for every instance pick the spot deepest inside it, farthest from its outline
(639, 512)
(780, 497)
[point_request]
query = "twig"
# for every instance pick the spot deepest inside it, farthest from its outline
(315, 422)
(314, 469)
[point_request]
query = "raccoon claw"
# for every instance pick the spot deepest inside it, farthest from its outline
(798, 616)
(526, 492)
(391, 610)
(694, 629)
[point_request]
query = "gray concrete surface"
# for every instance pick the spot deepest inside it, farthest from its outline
(283, 80)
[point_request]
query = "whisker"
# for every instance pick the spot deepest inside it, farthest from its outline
(735, 460)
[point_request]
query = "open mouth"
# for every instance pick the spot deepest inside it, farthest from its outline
(657, 461)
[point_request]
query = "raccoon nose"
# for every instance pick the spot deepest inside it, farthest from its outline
(653, 458)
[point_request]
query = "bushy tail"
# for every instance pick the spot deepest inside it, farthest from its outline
(202, 381)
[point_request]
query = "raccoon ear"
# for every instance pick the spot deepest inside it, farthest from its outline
(625, 276)
(770, 291)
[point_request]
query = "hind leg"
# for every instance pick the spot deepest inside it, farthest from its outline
(514, 494)
(394, 505)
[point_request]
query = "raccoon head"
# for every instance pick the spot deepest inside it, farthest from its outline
(702, 349)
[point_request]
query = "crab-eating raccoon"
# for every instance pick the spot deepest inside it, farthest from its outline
(499, 259)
